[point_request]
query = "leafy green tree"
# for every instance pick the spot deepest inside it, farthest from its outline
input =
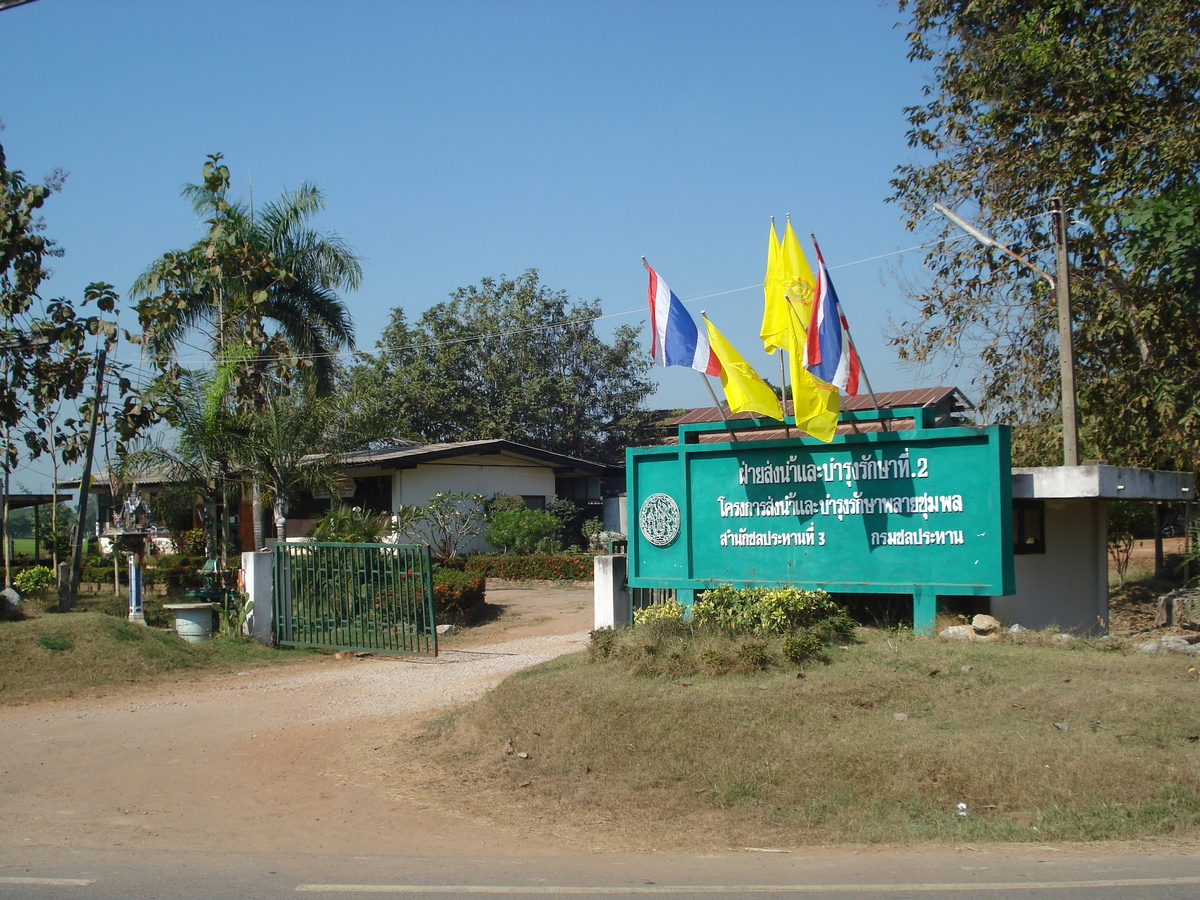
(291, 443)
(49, 352)
(262, 279)
(523, 531)
(1098, 103)
(507, 358)
(261, 289)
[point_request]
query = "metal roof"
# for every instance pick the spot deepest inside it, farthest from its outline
(408, 457)
(949, 401)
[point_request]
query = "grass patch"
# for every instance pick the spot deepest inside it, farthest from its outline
(62, 655)
(878, 744)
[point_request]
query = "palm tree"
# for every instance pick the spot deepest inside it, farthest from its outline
(293, 442)
(201, 461)
(267, 281)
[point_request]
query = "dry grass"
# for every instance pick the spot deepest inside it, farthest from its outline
(61, 655)
(1041, 742)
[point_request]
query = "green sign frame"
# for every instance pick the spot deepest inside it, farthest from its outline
(925, 511)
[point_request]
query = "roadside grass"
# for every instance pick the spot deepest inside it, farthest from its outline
(62, 655)
(1042, 742)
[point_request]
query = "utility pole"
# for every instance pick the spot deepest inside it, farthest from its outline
(69, 592)
(1062, 294)
(1066, 346)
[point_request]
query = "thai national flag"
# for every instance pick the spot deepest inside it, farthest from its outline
(677, 341)
(829, 353)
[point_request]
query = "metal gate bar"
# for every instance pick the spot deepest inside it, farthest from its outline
(363, 597)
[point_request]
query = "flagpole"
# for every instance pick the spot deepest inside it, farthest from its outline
(861, 368)
(713, 394)
(783, 392)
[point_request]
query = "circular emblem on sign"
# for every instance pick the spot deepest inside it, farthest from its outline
(659, 519)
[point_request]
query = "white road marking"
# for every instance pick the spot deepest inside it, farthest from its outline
(51, 882)
(739, 888)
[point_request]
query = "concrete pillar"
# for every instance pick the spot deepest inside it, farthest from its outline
(611, 594)
(925, 610)
(257, 576)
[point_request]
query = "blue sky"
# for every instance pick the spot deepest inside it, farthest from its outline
(456, 140)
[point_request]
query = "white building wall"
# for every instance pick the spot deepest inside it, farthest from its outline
(1067, 586)
(475, 475)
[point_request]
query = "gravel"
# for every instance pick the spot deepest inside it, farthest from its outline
(374, 687)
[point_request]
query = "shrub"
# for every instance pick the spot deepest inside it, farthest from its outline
(670, 611)
(501, 502)
(763, 610)
(34, 580)
(352, 525)
(800, 646)
(754, 654)
(602, 641)
(836, 627)
(523, 531)
(455, 592)
(103, 574)
(193, 542)
(535, 567)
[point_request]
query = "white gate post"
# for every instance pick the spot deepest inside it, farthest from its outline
(610, 593)
(257, 575)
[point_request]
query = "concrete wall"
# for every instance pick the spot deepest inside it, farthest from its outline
(475, 475)
(610, 593)
(259, 585)
(1067, 586)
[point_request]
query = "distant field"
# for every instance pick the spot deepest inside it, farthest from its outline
(22, 545)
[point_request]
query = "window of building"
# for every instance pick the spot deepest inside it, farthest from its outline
(1029, 526)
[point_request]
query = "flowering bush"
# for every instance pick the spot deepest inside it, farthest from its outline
(455, 591)
(769, 610)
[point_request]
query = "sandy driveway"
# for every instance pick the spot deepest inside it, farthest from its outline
(270, 760)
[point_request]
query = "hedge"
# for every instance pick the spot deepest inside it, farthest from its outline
(534, 567)
(455, 594)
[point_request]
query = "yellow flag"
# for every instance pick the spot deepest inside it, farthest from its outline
(789, 289)
(745, 391)
(815, 404)
(776, 322)
(799, 285)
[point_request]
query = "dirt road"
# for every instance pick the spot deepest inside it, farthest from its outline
(273, 760)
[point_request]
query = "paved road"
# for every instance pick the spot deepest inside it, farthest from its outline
(234, 787)
(94, 874)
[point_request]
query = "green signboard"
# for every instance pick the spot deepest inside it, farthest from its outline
(925, 511)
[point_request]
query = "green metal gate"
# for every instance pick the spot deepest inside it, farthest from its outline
(372, 597)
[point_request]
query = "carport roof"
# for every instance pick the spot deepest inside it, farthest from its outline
(409, 457)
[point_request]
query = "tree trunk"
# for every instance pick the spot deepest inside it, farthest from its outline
(280, 518)
(256, 507)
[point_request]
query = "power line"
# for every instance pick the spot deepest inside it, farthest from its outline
(205, 359)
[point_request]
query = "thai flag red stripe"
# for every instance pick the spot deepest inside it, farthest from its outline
(829, 353)
(676, 339)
